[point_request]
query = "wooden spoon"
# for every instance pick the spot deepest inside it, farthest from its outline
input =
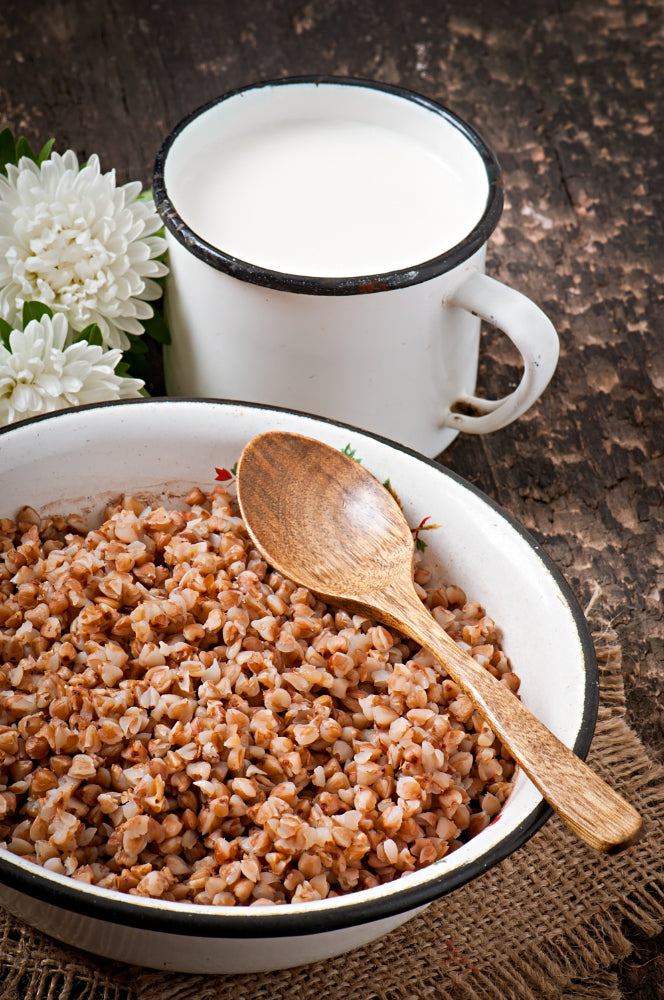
(325, 522)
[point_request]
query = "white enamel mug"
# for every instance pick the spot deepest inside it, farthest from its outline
(327, 239)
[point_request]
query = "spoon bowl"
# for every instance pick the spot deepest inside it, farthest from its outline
(325, 522)
(329, 525)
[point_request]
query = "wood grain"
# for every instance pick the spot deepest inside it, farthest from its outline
(326, 523)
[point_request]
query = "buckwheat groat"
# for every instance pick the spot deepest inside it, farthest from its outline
(179, 721)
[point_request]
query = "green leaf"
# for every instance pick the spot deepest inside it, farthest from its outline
(45, 151)
(5, 330)
(92, 334)
(351, 454)
(35, 310)
(7, 149)
(138, 367)
(136, 345)
(134, 360)
(23, 148)
(156, 328)
(11, 151)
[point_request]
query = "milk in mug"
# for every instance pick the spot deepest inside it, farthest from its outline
(328, 198)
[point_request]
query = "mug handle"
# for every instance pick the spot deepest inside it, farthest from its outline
(532, 333)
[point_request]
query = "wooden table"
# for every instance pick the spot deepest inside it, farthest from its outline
(569, 94)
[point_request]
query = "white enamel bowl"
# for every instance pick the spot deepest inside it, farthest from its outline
(78, 459)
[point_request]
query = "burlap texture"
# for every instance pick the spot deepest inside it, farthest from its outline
(548, 922)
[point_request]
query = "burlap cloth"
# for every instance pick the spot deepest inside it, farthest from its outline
(548, 922)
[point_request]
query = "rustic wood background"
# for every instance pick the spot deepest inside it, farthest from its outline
(569, 94)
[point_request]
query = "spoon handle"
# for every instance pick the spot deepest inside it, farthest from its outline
(590, 807)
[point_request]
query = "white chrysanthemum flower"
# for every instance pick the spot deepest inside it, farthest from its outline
(73, 240)
(40, 373)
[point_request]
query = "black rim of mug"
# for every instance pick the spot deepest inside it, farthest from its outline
(281, 281)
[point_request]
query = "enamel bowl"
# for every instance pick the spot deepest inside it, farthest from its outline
(79, 459)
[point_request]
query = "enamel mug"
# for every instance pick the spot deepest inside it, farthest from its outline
(327, 240)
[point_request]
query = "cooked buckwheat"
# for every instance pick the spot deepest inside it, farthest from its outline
(179, 721)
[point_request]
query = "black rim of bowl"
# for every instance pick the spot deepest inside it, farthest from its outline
(251, 922)
(252, 273)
